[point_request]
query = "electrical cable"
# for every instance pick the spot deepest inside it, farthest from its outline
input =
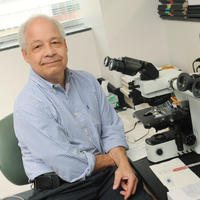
(132, 128)
(142, 136)
(131, 141)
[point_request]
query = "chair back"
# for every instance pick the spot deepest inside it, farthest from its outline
(10, 154)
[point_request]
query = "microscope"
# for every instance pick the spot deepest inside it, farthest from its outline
(174, 99)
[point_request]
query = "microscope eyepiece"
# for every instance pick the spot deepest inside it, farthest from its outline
(184, 82)
(113, 65)
(196, 88)
(107, 61)
(131, 66)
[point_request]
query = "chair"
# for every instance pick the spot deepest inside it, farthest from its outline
(10, 154)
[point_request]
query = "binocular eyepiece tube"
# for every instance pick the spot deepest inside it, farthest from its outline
(189, 82)
(131, 66)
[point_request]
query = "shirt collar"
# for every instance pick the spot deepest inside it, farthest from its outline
(44, 83)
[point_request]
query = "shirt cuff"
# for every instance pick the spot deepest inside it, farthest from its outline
(91, 164)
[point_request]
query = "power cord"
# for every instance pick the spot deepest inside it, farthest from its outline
(132, 128)
(135, 140)
(142, 136)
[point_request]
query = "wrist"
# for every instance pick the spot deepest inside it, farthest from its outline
(103, 161)
(118, 154)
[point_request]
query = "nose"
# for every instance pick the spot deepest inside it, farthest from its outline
(49, 50)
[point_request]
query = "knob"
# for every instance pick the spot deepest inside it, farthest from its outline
(159, 152)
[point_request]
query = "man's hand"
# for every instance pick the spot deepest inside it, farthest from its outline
(124, 175)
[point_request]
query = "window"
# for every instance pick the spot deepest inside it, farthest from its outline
(14, 12)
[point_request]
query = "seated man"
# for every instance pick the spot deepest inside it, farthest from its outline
(72, 140)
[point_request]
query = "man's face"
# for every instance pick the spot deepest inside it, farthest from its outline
(46, 51)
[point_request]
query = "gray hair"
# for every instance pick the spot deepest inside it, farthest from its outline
(22, 29)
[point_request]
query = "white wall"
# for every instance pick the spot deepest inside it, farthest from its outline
(133, 29)
(183, 42)
(14, 73)
(82, 53)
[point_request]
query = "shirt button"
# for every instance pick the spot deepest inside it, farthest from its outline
(86, 131)
(75, 114)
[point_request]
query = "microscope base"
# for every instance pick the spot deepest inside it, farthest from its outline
(164, 151)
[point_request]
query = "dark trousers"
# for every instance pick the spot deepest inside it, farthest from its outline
(96, 187)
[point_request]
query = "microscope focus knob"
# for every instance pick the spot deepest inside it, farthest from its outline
(159, 152)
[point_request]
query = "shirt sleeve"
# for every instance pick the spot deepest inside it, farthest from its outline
(45, 139)
(112, 127)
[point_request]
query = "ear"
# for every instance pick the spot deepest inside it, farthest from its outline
(65, 44)
(24, 53)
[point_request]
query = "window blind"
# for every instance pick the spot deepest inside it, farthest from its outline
(14, 13)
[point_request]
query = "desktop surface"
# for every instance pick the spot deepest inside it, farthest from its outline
(153, 183)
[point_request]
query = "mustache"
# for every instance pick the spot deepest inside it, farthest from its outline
(50, 60)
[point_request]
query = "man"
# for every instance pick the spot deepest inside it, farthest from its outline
(71, 139)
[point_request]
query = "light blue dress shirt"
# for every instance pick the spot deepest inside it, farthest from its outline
(61, 130)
